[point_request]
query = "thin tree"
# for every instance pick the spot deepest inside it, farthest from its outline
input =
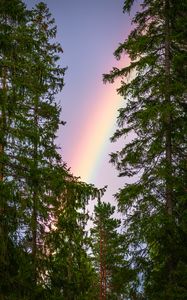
(108, 253)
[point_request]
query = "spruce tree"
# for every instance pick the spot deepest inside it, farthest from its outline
(108, 249)
(30, 79)
(13, 17)
(71, 274)
(41, 203)
(37, 123)
(154, 117)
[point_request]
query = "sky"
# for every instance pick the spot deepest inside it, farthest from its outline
(89, 32)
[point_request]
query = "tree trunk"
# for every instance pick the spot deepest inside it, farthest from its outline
(3, 122)
(35, 196)
(103, 278)
(168, 149)
(2, 146)
(168, 120)
(3, 213)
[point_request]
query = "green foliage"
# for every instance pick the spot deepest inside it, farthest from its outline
(41, 204)
(154, 119)
(108, 246)
(69, 244)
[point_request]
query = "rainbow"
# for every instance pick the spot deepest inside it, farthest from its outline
(96, 131)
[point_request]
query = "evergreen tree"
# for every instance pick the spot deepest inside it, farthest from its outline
(108, 254)
(13, 18)
(154, 116)
(39, 120)
(71, 273)
(41, 203)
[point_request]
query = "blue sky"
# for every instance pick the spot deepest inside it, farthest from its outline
(89, 32)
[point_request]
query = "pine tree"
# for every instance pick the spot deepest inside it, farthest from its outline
(41, 203)
(30, 78)
(108, 254)
(37, 123)
(13, 17)
(154, 116)
(71, 273)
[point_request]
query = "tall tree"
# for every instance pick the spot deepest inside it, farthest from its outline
(30, 79)
(108, 254)
(37, 192)
(36, 124)
(13, 17)
(154, 116)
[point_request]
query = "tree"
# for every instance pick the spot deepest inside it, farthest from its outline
(108, 254)
(154, 116)
(13, 17)
(30, 79)
(70, 273)
(39, 120)
(41, 203)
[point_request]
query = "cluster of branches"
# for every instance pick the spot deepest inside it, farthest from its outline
(154, 118)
